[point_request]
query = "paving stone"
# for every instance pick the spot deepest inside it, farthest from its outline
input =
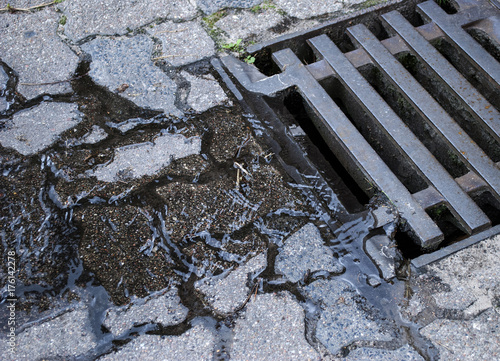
(458, 299)
(118, 61)
(309, 8)
(304, 251)
(405, 353)
(195, 344)
(95, 135)
(205, 92)
(164, 308)
(118, 17)
(65, 337)
(183, 43)
(255, 24)
(272, 328)
(34, 129)
(226, 294)
(342, 321)
(29, 45)
(469, 283)
(384, 253)
(4, 78)
(212, 6)
(471, 340)
(138, 160)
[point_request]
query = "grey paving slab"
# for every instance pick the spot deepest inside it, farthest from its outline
(205, 92)
(118, 61)
(272, 328)
(3, 86)
(138, 160)
(195, 344)
(66, 336)
(34, 129)
(228, 293)
(211, 6)
(342, 320)
(164, 308)
(384, 253)
(118, 17)
(473, 340)
(309, 8)
(405, 353)
(473, 276)
(305, 251)
(256, 23)
(182, 43)
(30, 45)
(95, 135)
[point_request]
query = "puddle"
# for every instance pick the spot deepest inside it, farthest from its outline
(87, 226)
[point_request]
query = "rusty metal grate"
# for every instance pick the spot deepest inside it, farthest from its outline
(473, 143)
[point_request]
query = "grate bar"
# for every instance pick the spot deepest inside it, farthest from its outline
(474, 101)
(463, 145)
(460, 204)
(465, 43)
(340, 130)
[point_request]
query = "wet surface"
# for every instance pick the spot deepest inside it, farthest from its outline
(156, 215)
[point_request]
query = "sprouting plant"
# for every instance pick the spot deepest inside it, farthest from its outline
(234, 46)
(63, 20)
(264, 6)
(240, 49)
(250, 59)
(212, 19)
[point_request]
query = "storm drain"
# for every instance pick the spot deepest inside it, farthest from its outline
(409, 106)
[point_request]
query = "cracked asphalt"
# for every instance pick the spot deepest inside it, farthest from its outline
(147, 217)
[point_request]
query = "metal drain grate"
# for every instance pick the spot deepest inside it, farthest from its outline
(352, 140)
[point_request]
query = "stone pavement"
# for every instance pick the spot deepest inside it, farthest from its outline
(150, 221)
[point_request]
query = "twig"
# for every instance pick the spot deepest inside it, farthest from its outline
(252, 292)
(241, 167)
(13, 9)
(238, 178)
(55, 82)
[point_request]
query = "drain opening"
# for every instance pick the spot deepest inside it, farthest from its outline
(407, 113)
(478, 80)
(375, 136)
(309, 138)
(381, 105)
(452, 105)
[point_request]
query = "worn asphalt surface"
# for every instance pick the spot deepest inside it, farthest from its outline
(145, 218)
